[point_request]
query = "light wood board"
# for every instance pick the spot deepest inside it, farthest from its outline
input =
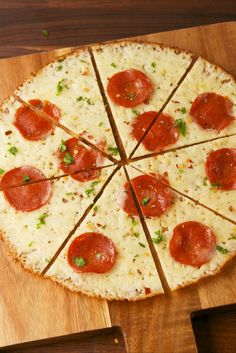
(32, 308)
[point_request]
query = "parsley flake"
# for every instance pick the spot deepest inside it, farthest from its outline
(91, 190)
(30, 244)
(114, 150)
(85, 99)
(134, 221)
(13, 150)
(59, 67)
(215, 185)
(180, 171)
(2, 171)
(113, 65)
(136, 235)
(61, 85)
(45, 33)
(62, 146)
(154, 65)
(142, 245)
(159, 237)
(221, 249)
(95, 208)
(145, 201)
(68, 159)
(136, 112)
(181, 126)
(204, 182)
(26, 178)
(79, 261)
(183, 110)
(42, 220)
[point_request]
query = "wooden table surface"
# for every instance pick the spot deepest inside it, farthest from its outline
(77, 22)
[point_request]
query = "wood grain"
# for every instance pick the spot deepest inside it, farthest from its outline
(34, 308)
(74, 22)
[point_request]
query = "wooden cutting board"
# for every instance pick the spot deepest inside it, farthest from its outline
(32, 308)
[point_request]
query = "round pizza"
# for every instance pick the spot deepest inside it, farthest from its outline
(118, 170)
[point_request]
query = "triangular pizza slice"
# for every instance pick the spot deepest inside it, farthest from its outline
(108, 256)
(205, 172)
(203, 108)
(137, 79)
(33, 149)
(70, 84)
(191, 241)
(35, 219)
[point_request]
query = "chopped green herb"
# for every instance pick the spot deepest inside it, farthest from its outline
(2, 171)
(183, 110)
(70, 193)
(136, 234)
(215, 185)
(95, 208)
(136, 112)
(114, 150)
(85, 99)
(47, 259)
(26, 178)
(84, 61)
(30, 244)
(142, 245)
(68, 159)
(113, 65)
(13, 150)
(41, 220)
(45, 32)
(233, 237)
(181, 126)
(59, 67)
(137, 255)
(62, 146)
(89, 101)
(79, 261)
(60, 86)
(145, 201)
(134, 221)
(89, 191)
(159, 237)
(100, 124)
(180, 171)
(204, 181)
(154, 65)
(221, 249)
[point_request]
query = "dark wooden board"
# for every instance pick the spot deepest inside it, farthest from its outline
(76, 22)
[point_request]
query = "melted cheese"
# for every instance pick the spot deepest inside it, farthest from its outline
(163, 65)
(204, 77)
(183, 210)
(34, 246)
(134, 269)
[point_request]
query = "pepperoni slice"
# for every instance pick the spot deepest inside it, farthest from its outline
(129, 88)
(27, 197)
(164, 131)
(212, 111)
(74, 156)
(34, 127)
(153, 194)
(192, 244)
(91, 252)
(221, 168)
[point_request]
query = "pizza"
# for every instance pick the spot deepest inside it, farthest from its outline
(118, 170)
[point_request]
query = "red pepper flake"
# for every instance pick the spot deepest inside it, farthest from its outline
(8, 132)
(147, 290)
